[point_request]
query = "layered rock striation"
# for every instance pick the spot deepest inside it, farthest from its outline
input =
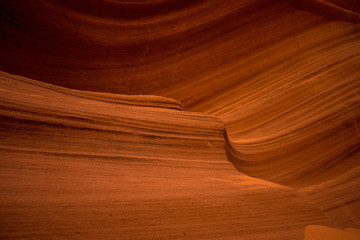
(169, 119)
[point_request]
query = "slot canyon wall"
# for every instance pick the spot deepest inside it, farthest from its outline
(168, 119)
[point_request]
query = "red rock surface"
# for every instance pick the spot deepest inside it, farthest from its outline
(241, 119)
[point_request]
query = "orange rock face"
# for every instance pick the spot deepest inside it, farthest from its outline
(169, 119)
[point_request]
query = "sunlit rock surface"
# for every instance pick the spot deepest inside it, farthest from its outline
(166, 119)
(321, 232)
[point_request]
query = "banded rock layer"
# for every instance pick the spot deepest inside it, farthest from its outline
(271, 89)
(78, 166)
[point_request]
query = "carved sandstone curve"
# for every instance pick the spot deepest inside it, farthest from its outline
(284, 80)
(281, 79)
(75, 166)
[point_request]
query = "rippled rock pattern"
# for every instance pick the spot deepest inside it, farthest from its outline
(164, 119)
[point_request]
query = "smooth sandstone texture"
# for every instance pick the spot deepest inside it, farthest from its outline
(74, 166)
(321, 232)
(269, 141)
(282, 75)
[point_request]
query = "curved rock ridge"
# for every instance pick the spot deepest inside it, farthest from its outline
(132, 100)
(295, 127)
(82, 167)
